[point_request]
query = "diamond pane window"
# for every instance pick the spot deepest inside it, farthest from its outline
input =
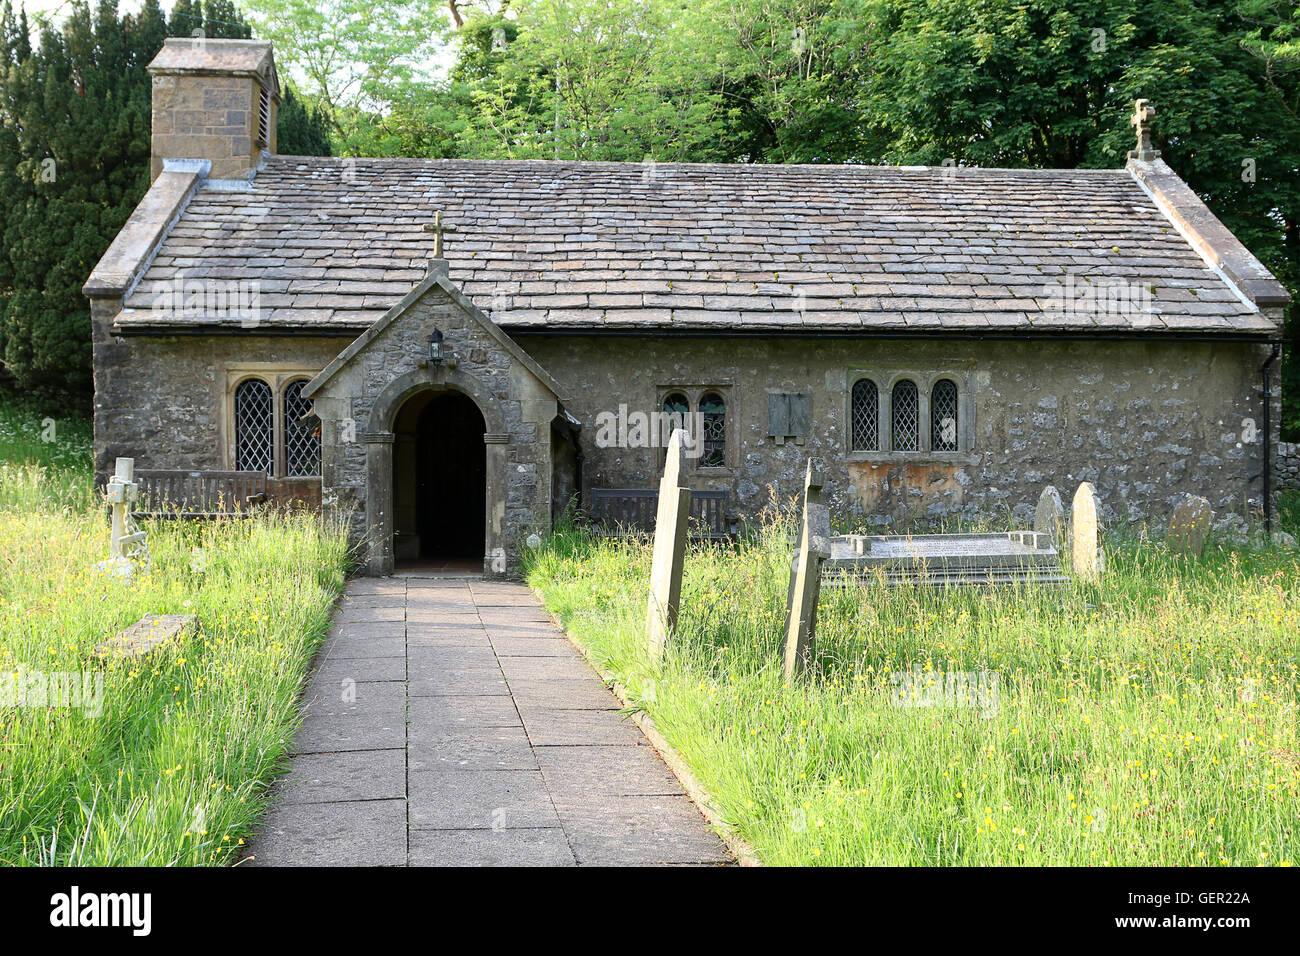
(906, 413)
(866, 415)
(714, 412)
(676, 406)
(301, 439)
(943, 415)
(254, 426)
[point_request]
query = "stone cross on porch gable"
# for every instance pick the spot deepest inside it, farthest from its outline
(437, 228)
(1142, 120)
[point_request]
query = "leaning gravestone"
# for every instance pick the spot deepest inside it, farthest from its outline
(1086, 556)
(806, 572)
(1049, 517)
(669, 547)
(1189, 526)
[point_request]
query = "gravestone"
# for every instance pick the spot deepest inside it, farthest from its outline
(670, 546)
(1086, 556)
(126, 542)
(806, 572)
(1007, 558)
(148, 634)
(1189, 526)
(1049, 517)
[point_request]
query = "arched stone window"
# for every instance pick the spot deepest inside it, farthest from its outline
(866, 415)
(905, 410)
(254, 426)
(677, 406)
(301, 438)
(943, 415)
(713, 411)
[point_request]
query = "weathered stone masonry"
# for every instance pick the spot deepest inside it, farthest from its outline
(1145, 422)
(1288, 465)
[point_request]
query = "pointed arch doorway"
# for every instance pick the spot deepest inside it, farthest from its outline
(439, 483)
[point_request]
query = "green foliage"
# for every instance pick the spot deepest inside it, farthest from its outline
(74, 147)
(175, 768)
(301, 129)
(593, 80)
(352, 53)
(74, 162)
(988, 82)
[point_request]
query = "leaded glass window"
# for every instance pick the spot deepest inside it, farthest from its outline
(866, 415)
(943, 415)
(301, 438)
(679, 409)
(254, 426)
(906, 412)
(713, 411)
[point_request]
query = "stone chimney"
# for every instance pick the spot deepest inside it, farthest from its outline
(214, 100)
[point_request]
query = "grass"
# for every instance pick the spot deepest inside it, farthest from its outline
(1148, 720)
(174, 771)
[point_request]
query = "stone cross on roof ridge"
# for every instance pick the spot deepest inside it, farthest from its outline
(1142, 120)
(437, 228)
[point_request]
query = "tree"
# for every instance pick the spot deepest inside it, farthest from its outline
(595, 79)
(301, 130)
(351, 52)
(74, 163)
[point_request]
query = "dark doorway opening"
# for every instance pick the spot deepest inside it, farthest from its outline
(440, 480)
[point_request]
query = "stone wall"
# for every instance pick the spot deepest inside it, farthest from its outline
(1288, 466)
(163, 400)
(1143, 421)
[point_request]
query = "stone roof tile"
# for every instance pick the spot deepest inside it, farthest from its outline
(622, 246)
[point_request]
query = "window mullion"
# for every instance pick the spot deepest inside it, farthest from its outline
(885, 423)
(923, 436)
(278, 434)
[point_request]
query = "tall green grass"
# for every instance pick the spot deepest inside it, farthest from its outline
(175, 769)
(1147, 720)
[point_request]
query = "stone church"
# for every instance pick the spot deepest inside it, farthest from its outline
(448, 353)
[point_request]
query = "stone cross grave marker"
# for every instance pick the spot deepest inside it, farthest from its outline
(1049, 517)
(669, 547)
(806, 572)
(125, 541)
(1189, 526)
(1086, 556)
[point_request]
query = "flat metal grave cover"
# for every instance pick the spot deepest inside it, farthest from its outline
(1002, 558)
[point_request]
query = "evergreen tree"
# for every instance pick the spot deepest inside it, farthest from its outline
(301, 130)
(187, 16)
(74, 163)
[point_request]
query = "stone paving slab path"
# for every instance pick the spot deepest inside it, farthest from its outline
(448, 722)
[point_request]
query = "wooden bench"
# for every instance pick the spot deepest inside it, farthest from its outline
(633, 510)
(198, 494)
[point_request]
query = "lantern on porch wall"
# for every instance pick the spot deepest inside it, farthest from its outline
(435, 348)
